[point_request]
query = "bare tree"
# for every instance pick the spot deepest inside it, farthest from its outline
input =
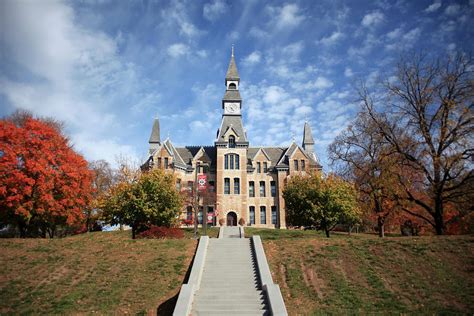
(365, 157)
(426, 115)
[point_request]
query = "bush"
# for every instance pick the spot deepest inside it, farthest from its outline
(159, 232)
(222, 222)
(241, 221)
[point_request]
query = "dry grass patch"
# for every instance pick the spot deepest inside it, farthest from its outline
(364, 274)
(106, 273)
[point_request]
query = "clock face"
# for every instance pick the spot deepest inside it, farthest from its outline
(232, 107)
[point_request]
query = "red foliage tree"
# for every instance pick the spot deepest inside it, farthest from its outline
(44, 183)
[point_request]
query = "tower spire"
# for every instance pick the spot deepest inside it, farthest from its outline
(308, 140)
(232, 73)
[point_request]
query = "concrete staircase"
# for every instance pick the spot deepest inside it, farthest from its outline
(230, 283)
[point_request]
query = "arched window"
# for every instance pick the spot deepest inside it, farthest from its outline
(231, 141)
(231, 161)
(232, 86)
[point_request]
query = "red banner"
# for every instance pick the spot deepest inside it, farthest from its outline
(202, 182)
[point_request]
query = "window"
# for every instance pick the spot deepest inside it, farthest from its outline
(231, 141)
(166, 163)
(178, 184)
(226, 186)
(259, 167)
(274, 215)
(265, 167)
(189, 213)
(212, 186)
(236, 186)
(231, 161)
(190, 186)
(251, 189)
(263, 215)
(262, 188)
(232, 86)
(303, 165)
(159, 162)
(296, 164)
(252, 215)
(273, 188)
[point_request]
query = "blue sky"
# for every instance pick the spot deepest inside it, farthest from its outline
(107, 68)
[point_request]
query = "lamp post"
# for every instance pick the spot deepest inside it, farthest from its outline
(196, 201)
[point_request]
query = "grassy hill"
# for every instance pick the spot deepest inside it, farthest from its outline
(108, 273)
(365, 274)
(104, 272)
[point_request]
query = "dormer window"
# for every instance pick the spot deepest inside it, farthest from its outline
(232, 86)
(231, 141)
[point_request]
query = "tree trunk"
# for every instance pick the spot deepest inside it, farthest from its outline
(327, 232)
(133, 231)
(22, 229)
(381, 226)
(438, 217)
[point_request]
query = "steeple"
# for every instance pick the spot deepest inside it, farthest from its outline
(231, 125)
(308, 141)
(232, 96)
(232, 73)
(154, 140)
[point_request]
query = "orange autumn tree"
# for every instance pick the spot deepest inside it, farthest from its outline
(44, 183)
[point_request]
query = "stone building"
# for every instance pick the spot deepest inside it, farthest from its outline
(245, 183)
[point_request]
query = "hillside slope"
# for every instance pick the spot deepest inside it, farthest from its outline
(365, 274)
(104, 272)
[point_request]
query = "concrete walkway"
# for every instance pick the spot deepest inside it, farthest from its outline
(230, 284)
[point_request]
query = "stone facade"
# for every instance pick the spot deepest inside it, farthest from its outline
(244, 183)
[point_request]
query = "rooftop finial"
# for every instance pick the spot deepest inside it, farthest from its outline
(232, 50)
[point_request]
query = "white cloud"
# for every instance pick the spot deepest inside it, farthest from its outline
(412, 35)
(452, 9)
(396, 33)
(292, 52)
(331, 39)
(274, 94)
(78, 68)
(322, 83)
(287, 16)
(252, 59)
(451, 47)
(176, 16)
(213, 10)
(373, 18)
(348, 72)
(433, 7)
(177, 50)
(258, 32)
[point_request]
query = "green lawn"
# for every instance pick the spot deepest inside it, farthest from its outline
(109, 273)
(104, 272)
(364, 274)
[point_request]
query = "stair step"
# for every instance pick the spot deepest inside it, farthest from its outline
(229, 312)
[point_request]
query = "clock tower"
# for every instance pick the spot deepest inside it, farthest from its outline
(231, 148)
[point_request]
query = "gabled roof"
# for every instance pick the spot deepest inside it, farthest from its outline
(155, 132)
(234, 122)
(272, 153)
(189, 152)
(178, 160)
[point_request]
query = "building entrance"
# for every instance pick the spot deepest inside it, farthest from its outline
(231, 219)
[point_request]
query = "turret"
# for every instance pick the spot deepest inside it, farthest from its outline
(155, 141)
